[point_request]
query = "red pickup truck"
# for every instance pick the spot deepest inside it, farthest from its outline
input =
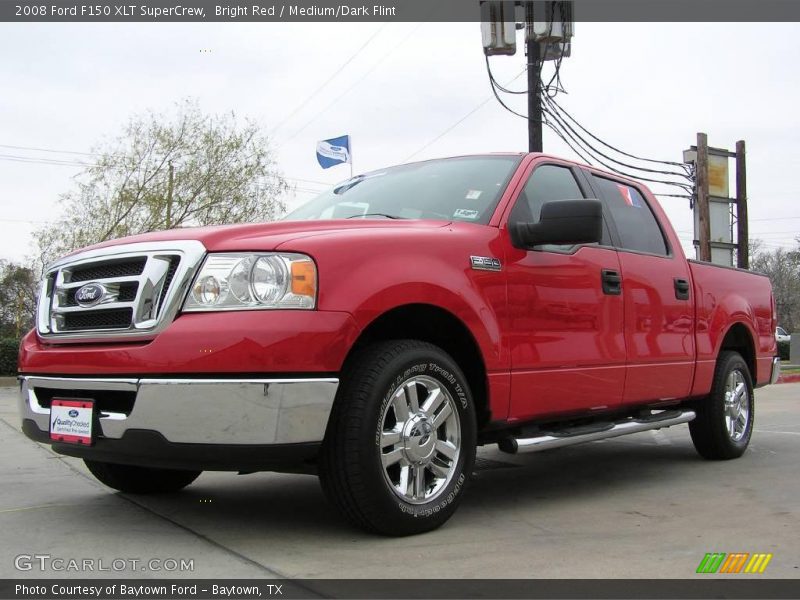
(383, 331)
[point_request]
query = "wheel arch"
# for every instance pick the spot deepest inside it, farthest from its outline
(438, 326)
(739, 339)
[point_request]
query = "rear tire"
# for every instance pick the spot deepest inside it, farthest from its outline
(400, 444)
(140, 480)
(724, 422)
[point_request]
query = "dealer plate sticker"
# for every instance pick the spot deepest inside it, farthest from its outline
(71, 421)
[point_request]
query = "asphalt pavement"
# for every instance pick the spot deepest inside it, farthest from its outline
(641, 506)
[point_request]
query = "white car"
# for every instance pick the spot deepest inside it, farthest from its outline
(781, 335)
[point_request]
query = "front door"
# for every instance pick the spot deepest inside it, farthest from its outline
(567, 346)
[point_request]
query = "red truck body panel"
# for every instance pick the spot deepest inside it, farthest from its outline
(728, 297)
(565, 335)
(552, 342)
(235, 342)
(659, 328)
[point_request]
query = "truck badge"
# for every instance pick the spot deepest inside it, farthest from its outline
(90, 294)
(485, 263)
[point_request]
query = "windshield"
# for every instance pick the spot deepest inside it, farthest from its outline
(460, 189)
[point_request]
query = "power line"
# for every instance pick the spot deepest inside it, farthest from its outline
(495, 82)
(4, 220)
(792, 233)
(556, 114)
(559, 87)
(564, 131)
(558, 124)
(44, 161)
(322, 183)
(48, 150)
(302, 105)
(775, 219)
(448, 130)
(568, 131)
(64, 163)
(686, 196)
(349, 89)
(590, 134)
(550, 125)
(457, 123)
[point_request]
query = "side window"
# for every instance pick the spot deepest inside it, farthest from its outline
(637, 226)
(548, 183)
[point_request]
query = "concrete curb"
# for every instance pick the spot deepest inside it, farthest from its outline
(8, 382)
(789, 378)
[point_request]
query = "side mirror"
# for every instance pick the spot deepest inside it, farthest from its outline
(562, 222)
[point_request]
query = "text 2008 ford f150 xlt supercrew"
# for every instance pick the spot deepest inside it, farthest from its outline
(390, 326)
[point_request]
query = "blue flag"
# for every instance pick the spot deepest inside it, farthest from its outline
(334, 151)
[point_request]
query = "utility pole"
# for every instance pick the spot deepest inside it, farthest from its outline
(548, 33)
(742, 234)
(535, 143)
(702, 197)
(170, 186)
(715, 211)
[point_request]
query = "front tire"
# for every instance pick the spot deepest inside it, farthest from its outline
(140, 480)
(724, 422)
(400, 444)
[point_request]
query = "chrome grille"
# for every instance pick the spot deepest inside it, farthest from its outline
(114, 318)
(108, 270)
(124, 291)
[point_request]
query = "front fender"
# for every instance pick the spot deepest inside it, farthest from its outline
(369, 275)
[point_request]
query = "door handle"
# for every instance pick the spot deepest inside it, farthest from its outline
(681, 289)
(612, 282)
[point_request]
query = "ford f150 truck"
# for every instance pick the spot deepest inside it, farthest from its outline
(383, 331)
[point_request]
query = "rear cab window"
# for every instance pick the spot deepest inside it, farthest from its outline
(636, 224)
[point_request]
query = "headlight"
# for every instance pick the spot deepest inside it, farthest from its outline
(251, 281)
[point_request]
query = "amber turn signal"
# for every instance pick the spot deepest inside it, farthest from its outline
(304, 278)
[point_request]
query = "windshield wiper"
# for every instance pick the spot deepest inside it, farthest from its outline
(375, 215)
(348, 185)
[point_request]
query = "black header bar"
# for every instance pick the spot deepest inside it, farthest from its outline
(348, 11)
(705, 586)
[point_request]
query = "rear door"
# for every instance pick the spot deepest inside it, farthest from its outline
(565, 334)
(659, 320)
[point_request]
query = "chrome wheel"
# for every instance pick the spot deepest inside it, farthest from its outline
(737, 405)
(420, 440)
(724, 422)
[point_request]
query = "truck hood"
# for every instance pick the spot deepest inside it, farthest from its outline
(268, 236)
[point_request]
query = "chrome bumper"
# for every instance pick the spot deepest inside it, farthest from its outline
(776, 370)
(200, 411)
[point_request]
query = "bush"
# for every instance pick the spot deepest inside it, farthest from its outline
(783, 350)
(9, 349)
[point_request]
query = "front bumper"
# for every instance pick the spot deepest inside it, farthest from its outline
(190, 413)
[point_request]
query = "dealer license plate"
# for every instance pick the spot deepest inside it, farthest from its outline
(71, 420)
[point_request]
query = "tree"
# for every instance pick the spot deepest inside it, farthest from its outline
(168, 171)
(783, 269)
(18, 289)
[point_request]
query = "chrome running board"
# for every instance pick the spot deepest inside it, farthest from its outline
(592, 433)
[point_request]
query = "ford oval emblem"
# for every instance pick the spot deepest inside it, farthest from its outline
(73, 413)
(90, 294)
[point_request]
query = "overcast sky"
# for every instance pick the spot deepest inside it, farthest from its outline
(645, 88)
